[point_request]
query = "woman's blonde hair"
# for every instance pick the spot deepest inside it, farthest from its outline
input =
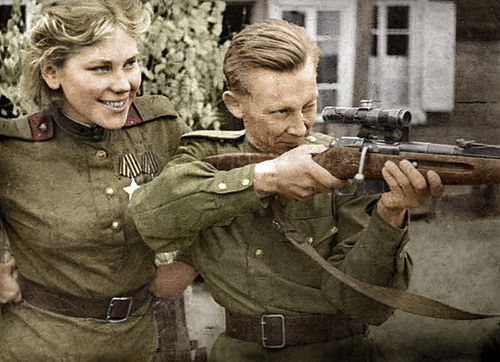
(270, 44)
(67, 26)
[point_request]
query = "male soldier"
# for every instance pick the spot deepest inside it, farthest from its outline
(274, 295)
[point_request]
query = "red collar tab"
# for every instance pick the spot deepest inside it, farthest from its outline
(41, 126)
(133, 118)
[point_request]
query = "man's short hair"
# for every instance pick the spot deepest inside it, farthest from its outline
(275, 45)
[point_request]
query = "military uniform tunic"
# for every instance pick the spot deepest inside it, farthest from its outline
(248, 265)
(63, 203)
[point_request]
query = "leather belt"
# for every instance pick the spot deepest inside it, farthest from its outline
(278, 331)
(114, 309)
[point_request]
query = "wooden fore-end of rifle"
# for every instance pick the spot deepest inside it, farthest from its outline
(456, 165)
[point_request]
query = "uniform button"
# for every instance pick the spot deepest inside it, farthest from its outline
(222, 186)
(310, 239)
(101, 155)
(311, 139)
(245, 182)
(116, 225)
(259, 253)
(43, 127)
(109, 191)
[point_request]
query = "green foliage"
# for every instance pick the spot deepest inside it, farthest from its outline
(183, 60)
(12, 45)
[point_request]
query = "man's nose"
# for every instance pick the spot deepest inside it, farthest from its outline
(298, 126)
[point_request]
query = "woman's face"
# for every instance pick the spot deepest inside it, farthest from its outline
(100, 82)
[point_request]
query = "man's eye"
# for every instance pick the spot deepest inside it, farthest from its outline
(309, 108)
(280, 111)
(100, 69)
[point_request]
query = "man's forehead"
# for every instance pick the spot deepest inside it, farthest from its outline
(280, 88)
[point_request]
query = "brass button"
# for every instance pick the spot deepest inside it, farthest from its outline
(259, 253)
(101, 155)
(222, 186)
(109, 191)
(116, 225)
(245, 182)
(311, 139)
(310, 239)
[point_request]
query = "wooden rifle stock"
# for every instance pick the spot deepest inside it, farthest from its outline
(343, 163)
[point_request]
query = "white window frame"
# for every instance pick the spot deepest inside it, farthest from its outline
(28, 13)
(347, 49)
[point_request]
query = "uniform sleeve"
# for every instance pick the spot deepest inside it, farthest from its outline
(371, 250)
(186, 198)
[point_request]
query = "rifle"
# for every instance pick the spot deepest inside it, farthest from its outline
(383, 136)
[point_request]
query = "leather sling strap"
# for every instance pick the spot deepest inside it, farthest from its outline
(394, 298)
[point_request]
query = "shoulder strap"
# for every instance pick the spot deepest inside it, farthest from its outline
(35, 127)
(319, 138)
(215, 135)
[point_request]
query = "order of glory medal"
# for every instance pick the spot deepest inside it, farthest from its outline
(130, 167)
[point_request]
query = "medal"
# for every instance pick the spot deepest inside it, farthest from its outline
(130, 167)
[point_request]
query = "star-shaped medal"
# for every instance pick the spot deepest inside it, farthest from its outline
(131, 188)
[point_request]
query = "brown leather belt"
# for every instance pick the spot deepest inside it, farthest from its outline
(278, 331)
(114, 309)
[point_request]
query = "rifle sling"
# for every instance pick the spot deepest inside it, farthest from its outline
(394, 298)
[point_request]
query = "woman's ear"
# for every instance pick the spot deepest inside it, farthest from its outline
(232, 101)
(50, 74)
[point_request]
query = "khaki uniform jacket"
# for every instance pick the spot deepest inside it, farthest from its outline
(63, 203)
(248, 266)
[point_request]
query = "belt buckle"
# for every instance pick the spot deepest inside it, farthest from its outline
(112, 304)
(263, 337)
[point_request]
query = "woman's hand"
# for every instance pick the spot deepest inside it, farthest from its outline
(172, 279)
(9, 289)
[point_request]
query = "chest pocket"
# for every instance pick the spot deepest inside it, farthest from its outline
(315, 220)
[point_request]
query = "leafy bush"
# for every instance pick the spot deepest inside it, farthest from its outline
(182, 58)
(12, 45)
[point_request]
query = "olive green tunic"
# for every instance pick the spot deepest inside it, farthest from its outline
(63, 203)
(249, 267)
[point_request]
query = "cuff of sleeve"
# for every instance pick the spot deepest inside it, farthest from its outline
(388, 239)
(236, 186)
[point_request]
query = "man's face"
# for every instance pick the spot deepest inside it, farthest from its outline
(280, 108)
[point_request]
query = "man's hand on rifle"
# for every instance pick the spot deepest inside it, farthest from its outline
(9, 289)
(295, 175)
(409, 188)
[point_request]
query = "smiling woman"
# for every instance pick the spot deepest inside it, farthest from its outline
(100, 83)
(84, 272)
